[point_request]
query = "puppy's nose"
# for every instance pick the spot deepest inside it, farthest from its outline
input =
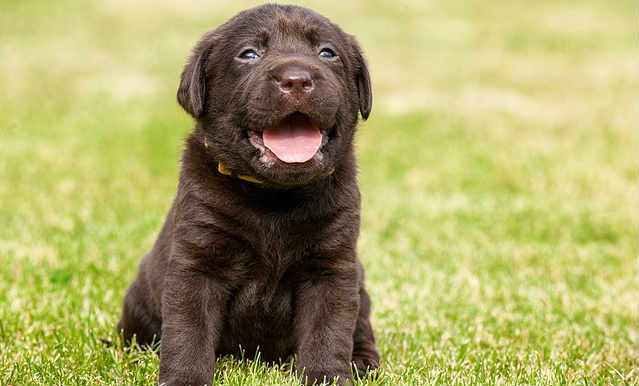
(296, 81)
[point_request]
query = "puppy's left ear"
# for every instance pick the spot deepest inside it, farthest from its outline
(363, 79)
(191, 93)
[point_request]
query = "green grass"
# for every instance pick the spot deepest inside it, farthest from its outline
(498, 173)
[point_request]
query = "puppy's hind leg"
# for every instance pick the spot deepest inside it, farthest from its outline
(365, 355)
(137, 320)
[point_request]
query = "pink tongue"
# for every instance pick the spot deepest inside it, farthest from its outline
(294, 141)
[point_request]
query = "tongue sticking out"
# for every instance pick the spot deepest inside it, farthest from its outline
(294, 140)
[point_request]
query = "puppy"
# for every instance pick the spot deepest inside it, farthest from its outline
(258, 250)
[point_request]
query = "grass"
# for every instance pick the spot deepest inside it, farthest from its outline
(498, 173)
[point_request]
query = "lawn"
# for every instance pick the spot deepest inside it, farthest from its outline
(498, 172)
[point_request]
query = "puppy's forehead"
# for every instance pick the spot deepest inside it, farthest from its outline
(271, 22)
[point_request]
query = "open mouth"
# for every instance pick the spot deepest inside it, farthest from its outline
(295, 139)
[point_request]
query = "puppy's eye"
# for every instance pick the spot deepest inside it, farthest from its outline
(327, 53)
(249, 54)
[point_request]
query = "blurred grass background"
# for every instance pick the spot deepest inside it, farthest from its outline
(498, 172)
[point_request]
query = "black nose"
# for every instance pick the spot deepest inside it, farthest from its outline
(295, 80)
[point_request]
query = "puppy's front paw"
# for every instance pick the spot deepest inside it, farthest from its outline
(315, 377)
(364, 364)
(184, 381)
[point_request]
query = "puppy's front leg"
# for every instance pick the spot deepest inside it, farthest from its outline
(325, 321)
(192, 307)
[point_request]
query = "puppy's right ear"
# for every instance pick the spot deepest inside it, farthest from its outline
(192, 90)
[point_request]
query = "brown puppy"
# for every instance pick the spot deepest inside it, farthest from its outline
(259, 246)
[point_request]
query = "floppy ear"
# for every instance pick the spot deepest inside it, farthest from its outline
(363, 79)
(191, 93)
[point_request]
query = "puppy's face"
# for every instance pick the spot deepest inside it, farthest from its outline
(276, 91)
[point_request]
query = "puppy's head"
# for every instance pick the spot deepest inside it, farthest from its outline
(276, 92)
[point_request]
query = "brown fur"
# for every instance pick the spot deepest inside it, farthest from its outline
(270, 265)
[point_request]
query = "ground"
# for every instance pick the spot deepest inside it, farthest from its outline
(498, 172)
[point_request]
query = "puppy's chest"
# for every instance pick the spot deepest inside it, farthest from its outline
(265, 297)
(277, 258)
(262, 310)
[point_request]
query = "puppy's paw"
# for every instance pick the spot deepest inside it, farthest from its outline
(184, 381)
(366, 364)
(320, 378)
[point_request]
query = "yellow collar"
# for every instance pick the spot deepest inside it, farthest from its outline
(223, 170)
(227, 172)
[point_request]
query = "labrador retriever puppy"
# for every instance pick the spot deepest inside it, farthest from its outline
(259, 249)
